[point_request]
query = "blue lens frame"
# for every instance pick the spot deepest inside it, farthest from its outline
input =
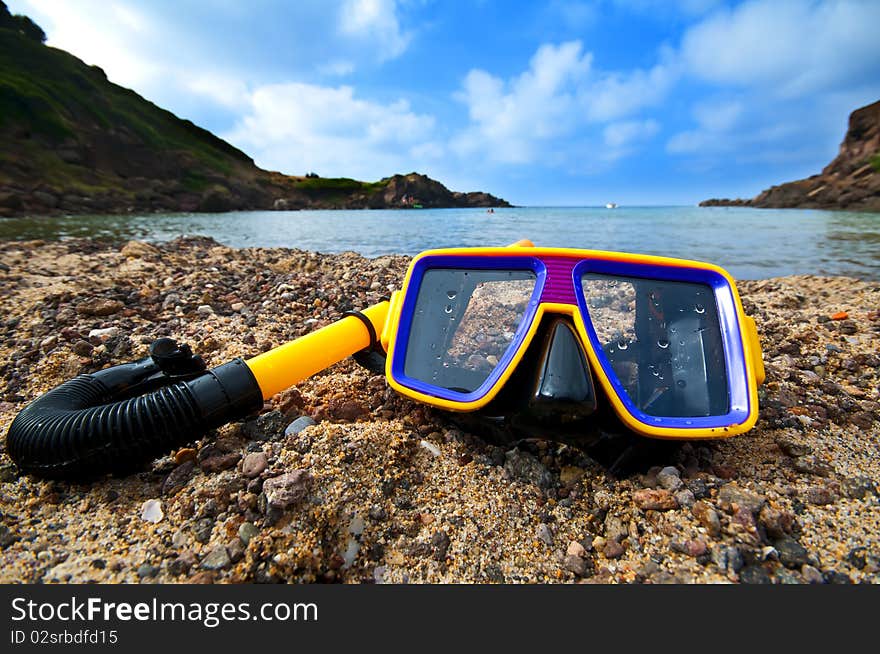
(407, 313)
(731, 338)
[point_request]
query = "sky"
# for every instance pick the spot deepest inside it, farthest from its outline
(549, 103)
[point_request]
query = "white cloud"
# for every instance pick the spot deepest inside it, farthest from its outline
(544, 112)
(297, 127)
(377, 21)
(788, 47)
(509, 120)
(623, 134)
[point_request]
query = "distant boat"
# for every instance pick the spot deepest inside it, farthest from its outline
(611, 205)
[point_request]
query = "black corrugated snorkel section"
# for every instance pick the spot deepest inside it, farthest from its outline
(115, 419)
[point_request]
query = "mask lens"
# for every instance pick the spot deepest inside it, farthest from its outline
(663, 342)
(463, 324)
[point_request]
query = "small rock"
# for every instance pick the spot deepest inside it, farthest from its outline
(268, 426)
(525, 467)
(202, 530)
(669, 478)
(685, 498)
(820, 495)
(575, 564)
(695, 547)
(812, 465)
(430, 447)
(791, 553)
(776, 523)
(440, 541)
(147, 571)
(179, 539)
(298, 425)
(792, 448)
(247, 531)
(613, 550)
(254, 464)
(287, 489)
(654, 499)
(205, 310)
(728, 558)
(217, 462)
(184, 454)
(99, 307)
(707, 517)
(83, 348)
(811, 575)
(576, 549)
(151, 511)
(103, 335)
(544, 534)
(178, 478)
(217, 559)
(732, 493)
(183, 563)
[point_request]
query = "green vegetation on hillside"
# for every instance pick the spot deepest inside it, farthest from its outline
(875, 162)
(336, 187)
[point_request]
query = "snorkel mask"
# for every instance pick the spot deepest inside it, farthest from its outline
(536, 341)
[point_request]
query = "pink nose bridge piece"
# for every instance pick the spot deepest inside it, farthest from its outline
(558, 285)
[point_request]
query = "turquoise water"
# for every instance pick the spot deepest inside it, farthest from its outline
(750, 243)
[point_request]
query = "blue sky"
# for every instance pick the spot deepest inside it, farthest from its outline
(543, 103)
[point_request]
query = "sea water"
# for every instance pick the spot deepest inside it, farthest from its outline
(749, 243)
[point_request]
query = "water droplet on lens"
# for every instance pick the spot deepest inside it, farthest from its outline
(448, 308)
(672, 330)
(681, 342)
(450, 295)
(681, 383)
(699, 308)
(622, 344)
(662, 343)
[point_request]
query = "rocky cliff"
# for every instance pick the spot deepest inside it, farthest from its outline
(71, 141)
(851, 181)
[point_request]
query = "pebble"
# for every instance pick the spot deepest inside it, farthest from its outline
(287, 489)
(525, 467)
(216, 559)
(99, 307)
(146, 571)
(298, 425)
(544, 534)
(576, 549)
(247, 531)
(812, 465)
(575, 564)
(707, 517)
(649, 499)
(430, 447)
(178, 478)
(820, 495)
(254, 464)
(569, 475)
(205, 309)
(811, 575)
(103, 335)
(791, 553)
(685, 498)
(669, 478)
(151, 511)
(732, 493)
(613, 550)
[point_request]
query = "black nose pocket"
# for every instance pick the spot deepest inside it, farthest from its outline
(563, 383)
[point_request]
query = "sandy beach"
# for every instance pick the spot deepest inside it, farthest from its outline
(341, 480)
